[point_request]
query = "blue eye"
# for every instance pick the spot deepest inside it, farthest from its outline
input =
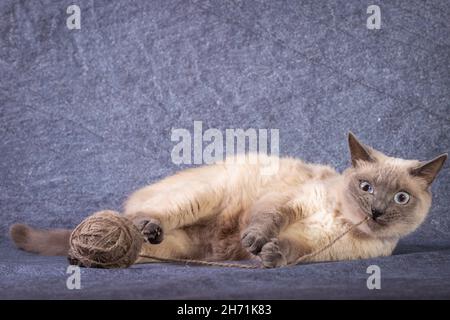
(401, 197)
(365, 186)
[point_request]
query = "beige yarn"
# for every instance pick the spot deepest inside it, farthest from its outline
(105, 240)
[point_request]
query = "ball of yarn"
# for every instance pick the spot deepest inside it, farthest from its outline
(106, 239)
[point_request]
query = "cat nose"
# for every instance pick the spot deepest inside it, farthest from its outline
(376, 213)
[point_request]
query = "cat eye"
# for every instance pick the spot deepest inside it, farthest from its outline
(365, 186)
(401, 197)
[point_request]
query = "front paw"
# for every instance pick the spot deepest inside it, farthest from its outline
(271, 255)
(151, 229)
(253, 240)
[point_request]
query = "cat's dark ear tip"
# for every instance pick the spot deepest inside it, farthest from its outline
(444, 157)
(440, 158)
(351, 136)
(352, 139)
(429, 169)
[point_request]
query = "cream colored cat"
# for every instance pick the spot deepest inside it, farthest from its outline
(231, 211)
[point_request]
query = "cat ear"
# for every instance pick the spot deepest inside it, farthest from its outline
(428, 170)
(358, 151)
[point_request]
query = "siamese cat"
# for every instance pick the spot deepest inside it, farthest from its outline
(231, 211)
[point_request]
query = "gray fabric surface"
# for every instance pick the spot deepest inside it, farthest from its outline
(86, 116)
(415, 275)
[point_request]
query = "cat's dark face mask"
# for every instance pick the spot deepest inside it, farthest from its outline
(394, 193)
(394, 204)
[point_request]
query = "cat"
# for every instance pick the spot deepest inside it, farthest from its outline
(230, 211)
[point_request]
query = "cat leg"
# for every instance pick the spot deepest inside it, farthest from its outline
(176, 201)
(266, 219)
(288, 245)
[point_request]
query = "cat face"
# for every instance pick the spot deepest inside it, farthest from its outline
(394, 193)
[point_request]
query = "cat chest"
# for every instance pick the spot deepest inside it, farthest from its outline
(315, 228)
(322, 228)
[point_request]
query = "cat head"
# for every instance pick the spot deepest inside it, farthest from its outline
(394, 193)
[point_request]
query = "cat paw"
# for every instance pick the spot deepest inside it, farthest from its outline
(271, 255)
(253, 240)
(151, 229)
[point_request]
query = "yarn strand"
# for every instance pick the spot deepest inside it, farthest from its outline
(202, 262)
(329, 245)
(248, 266)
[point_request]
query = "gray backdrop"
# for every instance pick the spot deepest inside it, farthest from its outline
(86, 117)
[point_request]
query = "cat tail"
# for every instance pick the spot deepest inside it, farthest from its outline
(53, 242)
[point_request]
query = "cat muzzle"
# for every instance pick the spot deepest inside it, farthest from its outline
(376, 213)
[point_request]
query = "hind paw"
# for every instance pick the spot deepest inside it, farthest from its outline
(253, 240)
(271, 255)
(152, 230)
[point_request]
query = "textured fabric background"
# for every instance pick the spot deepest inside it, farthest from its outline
(86, 117)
